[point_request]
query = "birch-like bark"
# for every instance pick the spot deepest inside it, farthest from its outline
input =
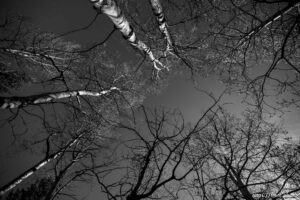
(16, 102)
(37, 166)
(163, 26)
(279, 14)
(113, 11)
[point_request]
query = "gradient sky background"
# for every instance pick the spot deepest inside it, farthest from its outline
(59, 16)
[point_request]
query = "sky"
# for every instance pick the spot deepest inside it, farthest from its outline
(59, 16)
(55, 16)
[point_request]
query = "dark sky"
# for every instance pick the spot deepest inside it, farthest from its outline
(59, 16)
(55, 16)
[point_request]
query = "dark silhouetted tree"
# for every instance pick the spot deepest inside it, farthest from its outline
(36, 191)
(246, 159)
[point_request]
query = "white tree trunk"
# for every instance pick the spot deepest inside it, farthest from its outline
(37, 166)
(163, 26)
(279, 14)
(15, 102)
(113, 11)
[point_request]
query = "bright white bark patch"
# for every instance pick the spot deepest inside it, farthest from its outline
(267, 22)
(160, 17)
(23, 177)
(112, 10)
(15, 102)
(39, 165)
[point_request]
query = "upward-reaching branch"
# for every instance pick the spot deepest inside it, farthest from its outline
(113, 11)
(237, 180)
(163, 26)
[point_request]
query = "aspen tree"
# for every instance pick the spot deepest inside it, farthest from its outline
(16, 102)
(113, 11)
(42, 163)
(162, 24)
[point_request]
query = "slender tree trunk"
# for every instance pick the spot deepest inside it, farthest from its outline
(37, 166)
(163, 27)
(16, 102)
(268, 21)
(113, 11)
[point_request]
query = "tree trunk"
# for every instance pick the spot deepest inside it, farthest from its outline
(238, 182)
(113, 11)
(16, 102)
(268, 21)
(160, 18)
(37, 166)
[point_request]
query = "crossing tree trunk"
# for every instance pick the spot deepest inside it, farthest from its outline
(16, 102)
(113, 11)
(12, 184)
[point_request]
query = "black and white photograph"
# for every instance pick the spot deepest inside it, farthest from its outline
(150, 100)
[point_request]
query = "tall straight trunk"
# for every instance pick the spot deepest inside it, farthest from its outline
(15, 102)
(113, 11)
(279, 14)
(163, 26)
(37, 166)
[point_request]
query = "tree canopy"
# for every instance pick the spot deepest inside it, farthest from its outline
(81, 109)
